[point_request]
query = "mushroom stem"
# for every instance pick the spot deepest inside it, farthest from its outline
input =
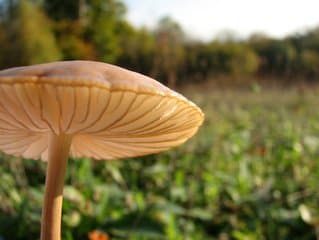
(59, 147)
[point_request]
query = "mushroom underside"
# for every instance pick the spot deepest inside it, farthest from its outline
(103, 123)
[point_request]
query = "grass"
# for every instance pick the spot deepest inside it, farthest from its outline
(250, 173)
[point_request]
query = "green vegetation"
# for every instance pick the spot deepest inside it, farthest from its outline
(251, 173)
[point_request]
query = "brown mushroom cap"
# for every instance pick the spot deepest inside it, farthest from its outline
(110, 112)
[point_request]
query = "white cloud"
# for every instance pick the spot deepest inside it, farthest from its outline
(205, 18)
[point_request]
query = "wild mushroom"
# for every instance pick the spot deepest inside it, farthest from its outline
(87, 109)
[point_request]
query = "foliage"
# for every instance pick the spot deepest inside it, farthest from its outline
(69, 10)
(87, 29)
(28, 38)
(169, 55)
(97, 30)
(104, 19)
(278, 56)
(137, 50)
(232, 58)
(309, 63)
(250, 173)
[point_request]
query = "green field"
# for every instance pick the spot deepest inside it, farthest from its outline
(251, 172)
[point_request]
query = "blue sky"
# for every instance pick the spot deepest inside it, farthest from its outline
(204, 19)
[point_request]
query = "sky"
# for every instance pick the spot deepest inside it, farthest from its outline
(206, 19)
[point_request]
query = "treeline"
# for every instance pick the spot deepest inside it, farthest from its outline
(36, 31)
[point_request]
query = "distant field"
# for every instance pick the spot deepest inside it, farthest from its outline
(252, 172)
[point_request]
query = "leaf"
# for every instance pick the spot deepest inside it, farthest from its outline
(137, 224)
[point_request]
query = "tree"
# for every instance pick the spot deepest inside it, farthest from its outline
(309, 63)
(169, 54)
(137, 49)
(242, 59)
(28, 38)
(2, 49)
(104, 18)
(278, 56)
(87, 29)
(64, 10)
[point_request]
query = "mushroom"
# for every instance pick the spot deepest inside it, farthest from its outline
(86, 109)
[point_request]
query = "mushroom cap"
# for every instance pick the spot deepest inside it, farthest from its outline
(109, 111)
